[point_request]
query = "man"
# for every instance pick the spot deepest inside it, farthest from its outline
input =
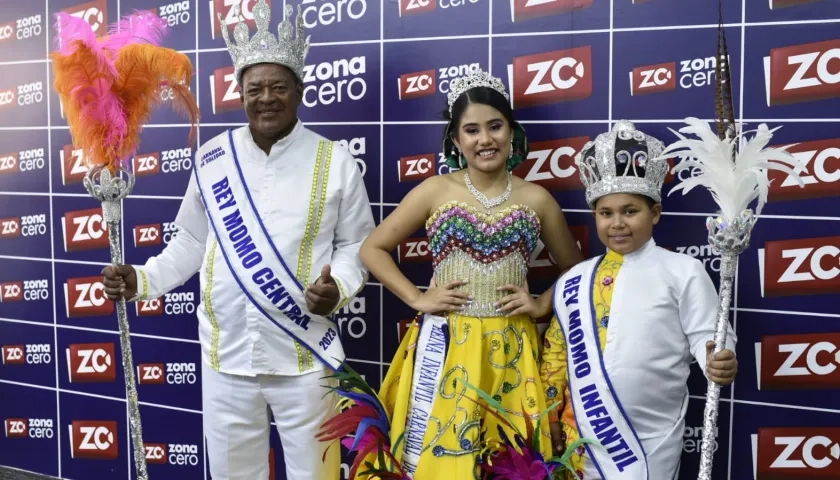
(273, 220)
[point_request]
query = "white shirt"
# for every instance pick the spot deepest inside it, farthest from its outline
(663, 311)
(281, 186)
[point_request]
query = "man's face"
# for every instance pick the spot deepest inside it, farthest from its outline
(270, 95)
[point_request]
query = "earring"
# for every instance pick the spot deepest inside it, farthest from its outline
(510, 155)
(462, 161)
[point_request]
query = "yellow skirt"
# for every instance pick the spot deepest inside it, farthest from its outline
(500, 356)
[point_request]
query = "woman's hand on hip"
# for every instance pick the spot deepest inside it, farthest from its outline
(442, 299)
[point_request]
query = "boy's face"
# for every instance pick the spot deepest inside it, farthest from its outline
(625, 222)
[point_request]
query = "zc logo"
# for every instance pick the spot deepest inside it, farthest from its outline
(154, 234)
(73, 167)
(10, 227)
(551, 164)
(797, 453)
(224, 91)
(32, 354)
(414, 7)
(146, 164)
(16, 427)
(13, 355)
(417, 84)
(819, 169)
(800, 267)
(802, 73)
(166, 373)
(84, 230)
(551, 77)
(413, 250)
(95, 13)
(228, 10)
(807, 361)
(778, 4)
(29, 427)
(92, 439)
(527, 9)
(85, 297)
(172, 303)
(91, 362)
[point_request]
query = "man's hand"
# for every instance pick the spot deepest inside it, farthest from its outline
(322, 296)
(120, 282)
(721, 367)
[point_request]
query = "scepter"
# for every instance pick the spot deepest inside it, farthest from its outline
(734, 186)
(734, 170)
(108, 87)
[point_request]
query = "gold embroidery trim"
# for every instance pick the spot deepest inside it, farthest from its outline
(208, 307)
(145, 284)
(317, 200)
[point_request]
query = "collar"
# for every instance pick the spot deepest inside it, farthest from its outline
(282, 143)
(634, 256)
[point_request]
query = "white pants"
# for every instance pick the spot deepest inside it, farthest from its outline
(237, 426)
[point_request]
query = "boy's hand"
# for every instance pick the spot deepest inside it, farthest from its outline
(721, 367)
(557, 438)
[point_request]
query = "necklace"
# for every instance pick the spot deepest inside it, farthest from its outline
(488, 203)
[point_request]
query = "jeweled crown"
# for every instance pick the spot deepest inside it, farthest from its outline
(479, 78)
(623, 160)
(263, 47)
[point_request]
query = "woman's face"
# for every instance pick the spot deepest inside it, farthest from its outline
(484, 137)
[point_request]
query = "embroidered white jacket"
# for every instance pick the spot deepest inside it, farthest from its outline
(282, 186)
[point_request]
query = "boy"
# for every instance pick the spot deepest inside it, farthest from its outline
(627, 323)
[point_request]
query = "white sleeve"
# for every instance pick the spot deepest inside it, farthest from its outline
(698, 305)
(355, 222)
(183, 256)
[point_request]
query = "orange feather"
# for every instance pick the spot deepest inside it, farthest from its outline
(145, 70)
(108, 93)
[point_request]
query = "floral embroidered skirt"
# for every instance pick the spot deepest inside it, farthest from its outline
(498, 355)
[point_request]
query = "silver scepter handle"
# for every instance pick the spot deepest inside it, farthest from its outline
(110, 190)
(730, 238)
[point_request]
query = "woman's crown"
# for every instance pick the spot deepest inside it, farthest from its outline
(479, 78)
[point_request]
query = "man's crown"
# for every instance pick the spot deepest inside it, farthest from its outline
(264, 47)
(623, 160)
(479, 78)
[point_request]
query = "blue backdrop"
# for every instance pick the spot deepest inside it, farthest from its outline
(377, 77)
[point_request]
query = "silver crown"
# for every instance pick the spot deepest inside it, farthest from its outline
(479, 78)
(264, 47)
(604, 171)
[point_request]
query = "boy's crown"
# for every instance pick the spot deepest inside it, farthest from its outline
(264, 47)
(623, 160)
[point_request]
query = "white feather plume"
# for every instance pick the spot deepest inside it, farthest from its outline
(732, 185)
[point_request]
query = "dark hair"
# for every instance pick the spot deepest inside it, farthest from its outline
(492, 98)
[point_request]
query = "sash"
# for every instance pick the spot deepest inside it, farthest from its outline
(598, 411)
(252, 257)
(429, 358)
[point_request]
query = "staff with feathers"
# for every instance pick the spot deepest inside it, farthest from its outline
(108, 88)
(734, 170)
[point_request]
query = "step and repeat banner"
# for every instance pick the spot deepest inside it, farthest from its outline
(376, 81)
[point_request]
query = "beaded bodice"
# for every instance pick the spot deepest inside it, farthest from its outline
(485, 250)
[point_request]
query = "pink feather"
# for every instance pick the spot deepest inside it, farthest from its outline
(138, 27)
(70, 30)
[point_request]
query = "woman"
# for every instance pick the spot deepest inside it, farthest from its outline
(483, 223)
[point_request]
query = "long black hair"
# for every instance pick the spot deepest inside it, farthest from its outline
(492, 98)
